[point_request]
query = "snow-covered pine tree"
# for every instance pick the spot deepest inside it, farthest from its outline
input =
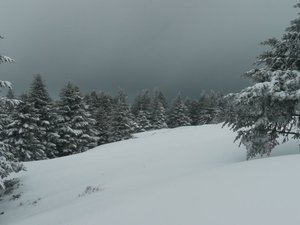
(103, 117)
(121, 122)
(215, 106)
(158, 118)
(102, 125)
(6, 111)
(270, 108)
(134, 126)
(137, 104)
(204, 116)
(23, 133)
(8, 162)
(8, 159)
(43, 109)
(142, 121)
(92, 102)
(194, 111)
(143, 102)
(161, 98)
(178, 114)
(210, 108)
(75, 124)
(220, 106)
(32, 132)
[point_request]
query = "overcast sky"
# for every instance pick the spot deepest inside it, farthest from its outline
(187, 45)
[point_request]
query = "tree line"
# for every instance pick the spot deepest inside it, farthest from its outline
(41, 128)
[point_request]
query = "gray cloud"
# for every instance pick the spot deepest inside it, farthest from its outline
(187, 45)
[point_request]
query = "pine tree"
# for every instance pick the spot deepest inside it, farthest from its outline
(92, 103)
(32, 131)
(23, 133)
(194, 111)
(121, 123)
(142, 121)
(103, 117)
(158, 118)
(8, 162)
(142, 102)
(220, 106)
(102, 125)
(210, 108)
(178, 114)
(269, 108)
(8, 155)
(161, 98)
(6, 110)
(75, 124)
(134, 126)
(43, 109)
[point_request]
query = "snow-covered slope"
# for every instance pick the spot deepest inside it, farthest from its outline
(183, 176)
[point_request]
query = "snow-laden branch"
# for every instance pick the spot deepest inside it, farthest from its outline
(279, 85)
(5, 84)
(6, 59)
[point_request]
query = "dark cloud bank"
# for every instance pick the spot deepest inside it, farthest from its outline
(186, 45)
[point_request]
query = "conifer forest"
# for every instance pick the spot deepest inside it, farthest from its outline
(85, 156)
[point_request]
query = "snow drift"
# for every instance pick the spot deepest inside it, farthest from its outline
(182, 176)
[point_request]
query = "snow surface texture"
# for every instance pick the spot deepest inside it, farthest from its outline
(182, 176)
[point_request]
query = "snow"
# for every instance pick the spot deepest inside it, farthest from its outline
(182, 176)
(280, 85)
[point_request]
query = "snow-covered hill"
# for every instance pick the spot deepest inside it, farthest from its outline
(183, 176)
